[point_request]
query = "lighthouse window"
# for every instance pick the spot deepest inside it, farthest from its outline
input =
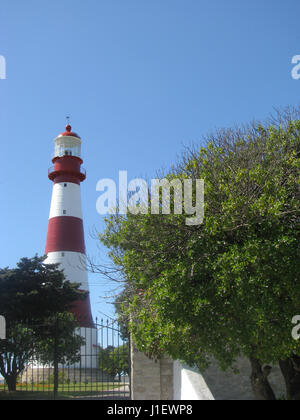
(64, 211)
(65, 185)
(67, 147)
(62, 254)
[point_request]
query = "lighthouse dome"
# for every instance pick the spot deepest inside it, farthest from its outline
(69, 132)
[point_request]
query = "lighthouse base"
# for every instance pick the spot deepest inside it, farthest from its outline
(68, 376)
(101, 371)
(89, 352)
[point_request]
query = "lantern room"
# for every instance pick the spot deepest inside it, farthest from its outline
(67, 144)
(67, 159)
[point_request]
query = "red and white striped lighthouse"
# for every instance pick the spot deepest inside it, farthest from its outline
(65, 239)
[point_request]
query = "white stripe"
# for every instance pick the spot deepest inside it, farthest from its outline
(66, 200)
(73, 264)
(89, 352)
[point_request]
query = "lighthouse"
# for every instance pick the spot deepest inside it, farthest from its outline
(65, 243)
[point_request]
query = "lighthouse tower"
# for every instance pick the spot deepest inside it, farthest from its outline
(65, 239)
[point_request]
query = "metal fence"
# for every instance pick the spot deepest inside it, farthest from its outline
(99, 370)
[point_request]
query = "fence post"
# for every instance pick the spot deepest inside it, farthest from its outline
(55, 360)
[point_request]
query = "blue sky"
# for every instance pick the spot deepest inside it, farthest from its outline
(139, 79)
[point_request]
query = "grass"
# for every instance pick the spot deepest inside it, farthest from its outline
(65, 391)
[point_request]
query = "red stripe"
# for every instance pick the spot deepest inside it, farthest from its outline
(82, 311)
(65, 233)
(66, 178)
(67, 169)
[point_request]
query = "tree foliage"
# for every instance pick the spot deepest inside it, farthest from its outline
(35, 300)
(229, 287)
(114, 360)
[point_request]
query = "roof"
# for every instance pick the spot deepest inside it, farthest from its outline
(69, 132)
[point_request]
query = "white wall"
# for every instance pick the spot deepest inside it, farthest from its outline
(89, 351)
(214, 384)
(73, 264)
(66, 196)
(189, 384)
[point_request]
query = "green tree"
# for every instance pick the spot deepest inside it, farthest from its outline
(57, 336)
(228, 287)
(121, 316)
(114, 360)
(35, 299)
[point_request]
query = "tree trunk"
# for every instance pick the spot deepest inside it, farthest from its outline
(290, 369)
(259, 381)
(11, 381)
